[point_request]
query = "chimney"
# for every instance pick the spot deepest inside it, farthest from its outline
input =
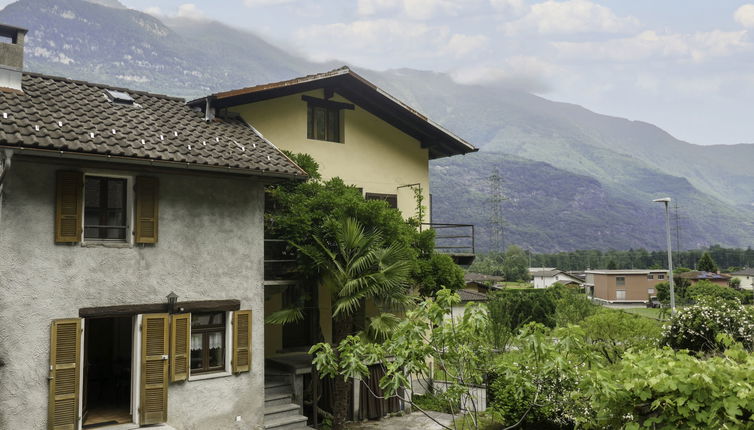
(11, 56)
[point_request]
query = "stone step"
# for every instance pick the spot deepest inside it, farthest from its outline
(287, 423)
(272, 413)
(271, 388)
(277, 399)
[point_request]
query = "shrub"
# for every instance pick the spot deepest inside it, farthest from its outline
(666, 389)
(571, 306)
(611, 333)
(705, 288)
(509, 310)
(697, 327)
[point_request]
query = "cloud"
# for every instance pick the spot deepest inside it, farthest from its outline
(525, 73)
(384, 43)
(154, 11)
(191, 11)
(461, 45)
(744, 15)
(570, 17)
(651, 45)
(413, 9)
(509, 6)
(262, 3)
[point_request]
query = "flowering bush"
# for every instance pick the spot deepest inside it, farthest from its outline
(697, 327)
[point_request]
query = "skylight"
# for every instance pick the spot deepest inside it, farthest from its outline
(119, 97)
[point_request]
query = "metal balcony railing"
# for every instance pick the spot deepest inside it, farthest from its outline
(457, 240)
(279, 261)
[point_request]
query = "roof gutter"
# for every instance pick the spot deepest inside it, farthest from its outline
(54, 153)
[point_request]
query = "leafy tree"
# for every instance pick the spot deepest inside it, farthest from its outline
(459, 348)
(611, 333)
(571, 306)
(612, 265)
(355, 267)
(515, 264)
(436, 272)
(706, 263)
(511, 309)
(735, 283)
(706, 289)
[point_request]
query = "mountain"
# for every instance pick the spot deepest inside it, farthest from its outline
(574, 179)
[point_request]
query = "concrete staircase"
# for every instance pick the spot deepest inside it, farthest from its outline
(280, 413)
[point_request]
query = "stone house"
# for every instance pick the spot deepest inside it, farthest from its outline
(131, 257)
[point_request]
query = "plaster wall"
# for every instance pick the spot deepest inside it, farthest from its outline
(747, 281)
(636, 286)
(210, 248)
(374, 155)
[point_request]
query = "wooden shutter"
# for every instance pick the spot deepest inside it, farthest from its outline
(154, 369)
(180, 344)
(65, 352)
(68, 206)
(241, 341)
(147, 210)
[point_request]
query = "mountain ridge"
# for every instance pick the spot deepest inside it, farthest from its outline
(620, 163)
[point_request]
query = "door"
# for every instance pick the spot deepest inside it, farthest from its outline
(65, 374)
(154, 369)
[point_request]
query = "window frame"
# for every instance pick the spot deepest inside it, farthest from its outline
(390, 199)
(617, 294)
(129, 209)
(620, 281)
(661, 276)
(227, 342)
(329, 112)
(650, 276)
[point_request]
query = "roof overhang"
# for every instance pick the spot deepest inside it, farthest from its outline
(439, 141)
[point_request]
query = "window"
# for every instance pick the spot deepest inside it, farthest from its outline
(620, 295)
(650, 290)
(391, 199)
(660, 276)
(323, 123)
(620, 280)
(650, 276)
(105, 208)
(207, 342)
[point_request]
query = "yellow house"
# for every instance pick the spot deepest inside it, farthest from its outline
(355, 131)
(352, 128)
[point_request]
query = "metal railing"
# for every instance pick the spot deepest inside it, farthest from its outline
(279, 261)
(452, 238)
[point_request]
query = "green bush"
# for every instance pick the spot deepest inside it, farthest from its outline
(697, 327)
(666, 389)
(509, 310)
(611, 333)
(706, 288)
(571, 306)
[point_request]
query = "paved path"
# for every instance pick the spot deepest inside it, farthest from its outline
(413, 421)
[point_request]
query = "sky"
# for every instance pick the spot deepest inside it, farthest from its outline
(684, 65)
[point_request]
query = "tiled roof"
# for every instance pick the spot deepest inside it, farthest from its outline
(63, 115)
(699, 275)
(472, 296)
(744, 272)
(481, 277)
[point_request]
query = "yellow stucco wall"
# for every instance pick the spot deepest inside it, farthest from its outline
(374, 155)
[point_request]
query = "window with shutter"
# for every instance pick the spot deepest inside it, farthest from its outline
(68, 206)
(65, 351)
(154, 369)
(147, 210)
(241, 341)
(180, 347)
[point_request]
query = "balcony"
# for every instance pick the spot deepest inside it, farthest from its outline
(279, 262)
(456, 240)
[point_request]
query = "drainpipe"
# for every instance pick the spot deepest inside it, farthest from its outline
(5, 158)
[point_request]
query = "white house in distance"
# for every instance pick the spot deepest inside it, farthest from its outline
(543, 277)
(746, 276)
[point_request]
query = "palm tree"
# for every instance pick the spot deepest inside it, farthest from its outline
(356, 266)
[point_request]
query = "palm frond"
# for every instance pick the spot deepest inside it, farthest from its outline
(285, 316)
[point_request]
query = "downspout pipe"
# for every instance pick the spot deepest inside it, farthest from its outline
(5, 158)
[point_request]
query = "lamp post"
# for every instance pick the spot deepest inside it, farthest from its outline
(666, 201)
(172, 300)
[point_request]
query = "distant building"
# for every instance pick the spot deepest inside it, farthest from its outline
(746, 276)
(481, 282)
(543, 277)
(623, 286)
(695, 276)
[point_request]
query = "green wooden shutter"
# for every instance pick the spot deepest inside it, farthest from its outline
(241, 341)
(154, 369)
(65, 353)
(68, 206)
(180, 343)
(147, 209)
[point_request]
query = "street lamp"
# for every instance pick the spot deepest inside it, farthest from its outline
(666, 200)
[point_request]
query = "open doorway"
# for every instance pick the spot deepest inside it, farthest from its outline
(108, 347)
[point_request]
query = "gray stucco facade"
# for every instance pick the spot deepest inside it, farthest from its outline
(210, 247)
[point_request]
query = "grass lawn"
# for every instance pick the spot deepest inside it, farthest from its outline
(653, 313)
(515, 285)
